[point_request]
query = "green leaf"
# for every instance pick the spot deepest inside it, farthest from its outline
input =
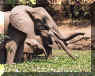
(1, 69)
(22, 1)
(33, 1)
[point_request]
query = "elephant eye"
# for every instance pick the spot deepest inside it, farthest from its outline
(41, 25)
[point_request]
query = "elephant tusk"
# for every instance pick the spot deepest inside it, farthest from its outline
(58, 44)
(63, 46)
(66, 49)
(53, 36)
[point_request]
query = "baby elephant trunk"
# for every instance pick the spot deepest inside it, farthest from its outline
(35, 44)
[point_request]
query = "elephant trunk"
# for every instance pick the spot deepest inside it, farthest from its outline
(66, 49)
(62, 40)
(33, 43)
(72, 36)
(61, 43)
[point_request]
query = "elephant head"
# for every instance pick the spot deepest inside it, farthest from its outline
(45, 21)
(25, 19)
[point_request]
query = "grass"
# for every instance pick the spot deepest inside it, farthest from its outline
(60, 62)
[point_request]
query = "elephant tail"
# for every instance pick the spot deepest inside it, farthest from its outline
(73, 36)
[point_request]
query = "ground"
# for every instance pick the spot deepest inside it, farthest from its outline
(60, 62)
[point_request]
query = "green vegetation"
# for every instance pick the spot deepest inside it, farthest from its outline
(1, 69)
(2, 37)
(60, 62)
(50, 74)
(25, 1)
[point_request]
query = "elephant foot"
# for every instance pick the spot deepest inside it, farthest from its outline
(49, 55)
(49, 52)
(30, 57)
(25, 57)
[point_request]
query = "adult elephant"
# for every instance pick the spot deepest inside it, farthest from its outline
(16, 40)
(25, 19)
(21, 19)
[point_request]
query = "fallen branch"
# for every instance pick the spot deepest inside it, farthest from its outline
(85, 38)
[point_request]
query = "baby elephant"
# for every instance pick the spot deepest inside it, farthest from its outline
(31, 51)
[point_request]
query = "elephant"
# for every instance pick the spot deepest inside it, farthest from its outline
(17, 45)
(14, 43)
(21, 16)
(39, 22)
(30, 51)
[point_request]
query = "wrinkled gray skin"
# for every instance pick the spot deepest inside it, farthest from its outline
(13, 44)
(17, 45)
(17, 39)
(21, 19)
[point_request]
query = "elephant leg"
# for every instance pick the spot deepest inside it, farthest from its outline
(46, 41)
(19, 53)
(11, 51)
(25, 57)
(30, 57)
(2, 55)
(49, 51)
